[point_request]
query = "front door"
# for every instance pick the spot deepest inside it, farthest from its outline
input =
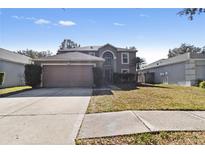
(108, 66)
(108, 75)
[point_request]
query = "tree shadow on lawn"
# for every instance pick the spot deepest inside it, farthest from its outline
(136, 86)
(151, 86)
(127, 86)
(97, 92)
(124, 87)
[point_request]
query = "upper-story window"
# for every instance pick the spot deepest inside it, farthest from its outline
(108, 58)
(125, 58)
(92, 53)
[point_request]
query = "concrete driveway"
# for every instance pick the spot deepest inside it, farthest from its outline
(43, 116)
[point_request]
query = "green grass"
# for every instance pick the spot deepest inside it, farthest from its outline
(157, 138)
(13, 89)
(157, 97)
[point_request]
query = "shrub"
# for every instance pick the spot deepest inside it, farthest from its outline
(98, 76)
(124, 78)
(33, 75)
(1, 77)
(198, 81)
(202, 84)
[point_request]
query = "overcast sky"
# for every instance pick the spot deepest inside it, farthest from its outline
(152, 31)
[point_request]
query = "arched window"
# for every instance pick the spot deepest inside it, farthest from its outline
(108, 58)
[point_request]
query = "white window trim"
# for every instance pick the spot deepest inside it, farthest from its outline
(127, 53)
(128, 70)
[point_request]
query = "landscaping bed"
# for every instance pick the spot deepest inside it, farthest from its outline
(13, 90)
(149, 97)
(157, 138)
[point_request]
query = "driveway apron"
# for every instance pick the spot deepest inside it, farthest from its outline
(43, 116)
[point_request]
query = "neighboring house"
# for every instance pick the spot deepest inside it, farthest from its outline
(12, 64)
(185, 69)
(74, 67)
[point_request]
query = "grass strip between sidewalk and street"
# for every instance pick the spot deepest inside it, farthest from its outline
(155, 138)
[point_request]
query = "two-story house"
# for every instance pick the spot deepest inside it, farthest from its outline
(72, 67)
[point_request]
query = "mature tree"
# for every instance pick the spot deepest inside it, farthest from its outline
(138, 62)
(34, 54)
(191, 12)
(68, 44)
(184, 48)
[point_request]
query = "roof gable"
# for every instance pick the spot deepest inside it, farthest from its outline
(108, 45)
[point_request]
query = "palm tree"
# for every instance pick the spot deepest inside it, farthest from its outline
(137, 61)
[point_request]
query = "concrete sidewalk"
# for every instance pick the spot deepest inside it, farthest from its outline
(130, 122)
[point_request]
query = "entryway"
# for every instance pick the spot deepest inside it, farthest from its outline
(108, 75)
(108, 66)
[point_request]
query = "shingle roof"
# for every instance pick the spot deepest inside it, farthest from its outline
(13, 57)
(71, 56)
(85, 48)
(173, 60)
(168, 61)
(93, 48)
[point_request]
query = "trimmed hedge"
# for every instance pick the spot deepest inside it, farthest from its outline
(1, 78)
(98, 76)
(33, 75)
(124, 78)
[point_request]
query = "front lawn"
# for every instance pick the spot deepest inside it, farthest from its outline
(156, 97)
(157, 138)
(6, 91)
